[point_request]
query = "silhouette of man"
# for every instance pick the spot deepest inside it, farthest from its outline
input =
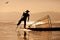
(24, 17)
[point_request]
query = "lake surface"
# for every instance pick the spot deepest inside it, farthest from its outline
(9, 32)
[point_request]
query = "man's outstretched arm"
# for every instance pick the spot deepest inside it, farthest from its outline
(28, 18)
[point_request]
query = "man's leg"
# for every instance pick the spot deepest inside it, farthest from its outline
(24, 23)
(19, 23)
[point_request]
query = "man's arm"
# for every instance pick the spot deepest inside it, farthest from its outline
(28, 17)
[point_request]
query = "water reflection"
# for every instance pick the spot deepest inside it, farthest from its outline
(7, 32)
(38, 35)
(33, 35)
(18, 34)
(22, 35)
(25, 35)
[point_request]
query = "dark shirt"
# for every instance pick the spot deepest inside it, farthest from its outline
(25, 15)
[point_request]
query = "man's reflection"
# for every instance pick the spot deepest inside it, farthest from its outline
(19, 35)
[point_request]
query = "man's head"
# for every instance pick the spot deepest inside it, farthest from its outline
(27, 11)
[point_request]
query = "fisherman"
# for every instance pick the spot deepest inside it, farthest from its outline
(24, 18)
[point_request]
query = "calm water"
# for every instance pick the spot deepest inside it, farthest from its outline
(8, 32)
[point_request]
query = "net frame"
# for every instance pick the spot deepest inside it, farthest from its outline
(47, 17)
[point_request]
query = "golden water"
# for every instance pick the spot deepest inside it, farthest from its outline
(8, 32)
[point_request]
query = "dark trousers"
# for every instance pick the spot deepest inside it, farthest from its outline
(21, 21)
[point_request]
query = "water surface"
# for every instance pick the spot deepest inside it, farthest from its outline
(8, 32)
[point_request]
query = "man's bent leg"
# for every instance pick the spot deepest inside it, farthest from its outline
(19, 23)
